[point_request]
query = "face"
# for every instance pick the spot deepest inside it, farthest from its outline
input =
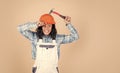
(47, 29)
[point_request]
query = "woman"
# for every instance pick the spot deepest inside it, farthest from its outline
(46, 42)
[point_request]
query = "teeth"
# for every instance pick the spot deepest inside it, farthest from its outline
(46, 31)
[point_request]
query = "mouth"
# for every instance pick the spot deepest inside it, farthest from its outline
(46, 31)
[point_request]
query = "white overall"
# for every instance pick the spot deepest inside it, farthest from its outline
(46, 57)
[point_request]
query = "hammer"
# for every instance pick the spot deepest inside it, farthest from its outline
(54, 12)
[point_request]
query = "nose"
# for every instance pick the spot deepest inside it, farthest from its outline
(46, 27)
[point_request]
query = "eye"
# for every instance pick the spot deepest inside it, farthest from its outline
(50, 25)
(43, 26)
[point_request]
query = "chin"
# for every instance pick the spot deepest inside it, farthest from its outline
(46, 34)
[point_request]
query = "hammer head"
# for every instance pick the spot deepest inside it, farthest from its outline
(51, 11)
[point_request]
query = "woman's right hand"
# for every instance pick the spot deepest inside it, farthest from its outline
(40, 23)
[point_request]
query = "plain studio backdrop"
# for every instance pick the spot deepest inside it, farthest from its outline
(97, 22)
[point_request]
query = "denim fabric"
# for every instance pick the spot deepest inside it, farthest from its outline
(25, 30)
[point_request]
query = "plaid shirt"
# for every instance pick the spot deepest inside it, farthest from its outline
(24, 29)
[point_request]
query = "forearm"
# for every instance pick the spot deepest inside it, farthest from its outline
(71, 37)
(27, 26)
(24, 29)
(73, 31)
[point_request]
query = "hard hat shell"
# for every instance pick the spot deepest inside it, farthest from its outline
(47, 19)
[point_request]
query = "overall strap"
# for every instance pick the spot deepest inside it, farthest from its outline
(40, 40)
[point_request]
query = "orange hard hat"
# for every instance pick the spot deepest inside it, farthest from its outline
(47, 19)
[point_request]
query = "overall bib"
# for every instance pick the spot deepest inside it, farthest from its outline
(46, 57)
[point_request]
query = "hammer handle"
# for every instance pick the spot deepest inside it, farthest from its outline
(59, 14)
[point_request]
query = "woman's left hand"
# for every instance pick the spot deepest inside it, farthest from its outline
(67, 20)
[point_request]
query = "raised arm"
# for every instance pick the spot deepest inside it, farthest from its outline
(73, 33)
(24, 29)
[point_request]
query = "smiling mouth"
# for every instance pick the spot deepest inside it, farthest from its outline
(46, 31)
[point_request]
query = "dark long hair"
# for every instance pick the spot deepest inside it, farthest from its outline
(52, 34)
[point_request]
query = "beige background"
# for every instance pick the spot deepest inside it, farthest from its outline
(97, 22)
